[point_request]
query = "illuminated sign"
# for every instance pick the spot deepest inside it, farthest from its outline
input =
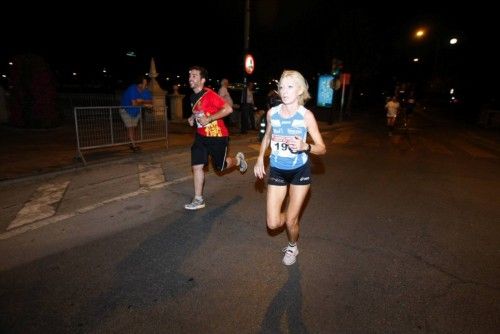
(325, 91)
(249, 64)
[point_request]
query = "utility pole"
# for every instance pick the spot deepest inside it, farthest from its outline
(246, 47)
(244, 112)
(342, 76)
(337, 65)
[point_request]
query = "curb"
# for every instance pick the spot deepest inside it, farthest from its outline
(110, 161)
(147, 154)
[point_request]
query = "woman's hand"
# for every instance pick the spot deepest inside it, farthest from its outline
(297, 145)
(259, 169)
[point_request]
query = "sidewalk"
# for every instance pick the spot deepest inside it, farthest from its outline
(42, 182)
(30, 152)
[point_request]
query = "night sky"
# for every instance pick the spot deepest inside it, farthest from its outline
(375, 43)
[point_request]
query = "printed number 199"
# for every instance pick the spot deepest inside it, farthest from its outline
(284, 146)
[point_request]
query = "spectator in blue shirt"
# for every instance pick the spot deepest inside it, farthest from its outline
(135, 97)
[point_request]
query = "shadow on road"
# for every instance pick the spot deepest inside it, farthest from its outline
(150, 274)
(287, 303)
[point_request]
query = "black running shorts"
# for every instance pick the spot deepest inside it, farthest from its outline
(216, 147)
(283, 177)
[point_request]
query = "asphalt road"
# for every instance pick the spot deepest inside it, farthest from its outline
(399, 235)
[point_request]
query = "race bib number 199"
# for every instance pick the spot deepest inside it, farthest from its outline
(279, 146)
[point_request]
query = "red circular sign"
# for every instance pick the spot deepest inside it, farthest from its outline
(249, 64)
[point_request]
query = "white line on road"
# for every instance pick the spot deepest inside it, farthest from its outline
(57, 218)
(41, 205)
(150, 174)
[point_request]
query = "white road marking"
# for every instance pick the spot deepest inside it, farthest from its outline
(150, 174)
(41, 205)
(61, 217)
(57, 218)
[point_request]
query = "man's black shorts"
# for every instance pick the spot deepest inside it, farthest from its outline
(216, 147)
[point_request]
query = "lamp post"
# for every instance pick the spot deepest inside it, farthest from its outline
(421, 33)
(249, 67)
(437, 60)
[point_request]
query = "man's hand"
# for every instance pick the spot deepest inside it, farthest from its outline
(204, 119)
(191, 120)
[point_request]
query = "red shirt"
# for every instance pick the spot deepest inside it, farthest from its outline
(210, 103)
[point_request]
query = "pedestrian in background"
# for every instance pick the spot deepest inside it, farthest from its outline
(133, 99)
(392, 107)
(410, 103)
(247, 109)
(224, 93)
(251, 105)
(290, 170)
(212, 135)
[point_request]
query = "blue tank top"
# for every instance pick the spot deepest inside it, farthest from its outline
(284, 129)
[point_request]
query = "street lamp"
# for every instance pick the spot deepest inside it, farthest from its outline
(438, 62)
(420, 33)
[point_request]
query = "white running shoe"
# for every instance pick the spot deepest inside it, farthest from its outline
(195, 204)
(242, 162)
(290, 255)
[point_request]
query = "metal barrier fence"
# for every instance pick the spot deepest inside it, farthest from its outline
(66, 102)
(99, 127)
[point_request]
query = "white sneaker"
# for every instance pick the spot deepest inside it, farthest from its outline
(290, 255)
(195, 204)
(240, 157)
